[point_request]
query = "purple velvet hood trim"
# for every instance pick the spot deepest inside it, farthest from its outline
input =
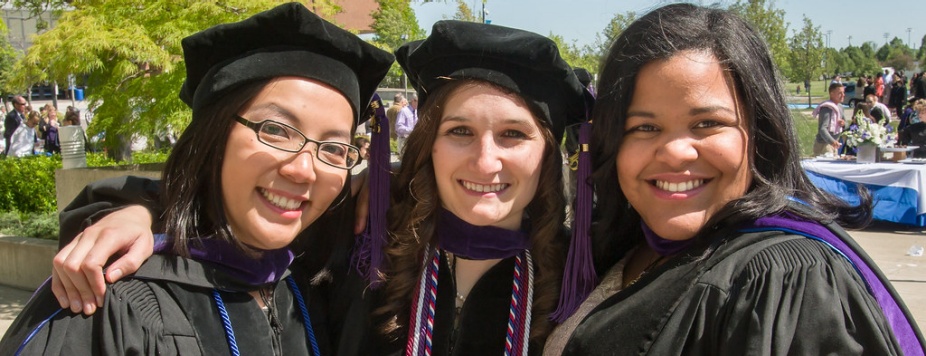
(268, 268)
(902, 327)
(664, 247)
(478, 242)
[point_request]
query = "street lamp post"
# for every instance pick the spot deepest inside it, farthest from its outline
(909, 29)
(405, 75)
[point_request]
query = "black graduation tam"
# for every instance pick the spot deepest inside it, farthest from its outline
(288, 40)
(524, 62)
(584, 76)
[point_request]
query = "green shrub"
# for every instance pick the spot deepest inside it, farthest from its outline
(39, 225)
(28, 200)
(99, 159)
(28, 184)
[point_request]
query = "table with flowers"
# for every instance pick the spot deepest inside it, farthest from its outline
(898, 189)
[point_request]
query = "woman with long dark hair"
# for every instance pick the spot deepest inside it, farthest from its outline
(266, 154)
(711, 239)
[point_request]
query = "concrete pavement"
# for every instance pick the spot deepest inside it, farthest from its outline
(886, 243)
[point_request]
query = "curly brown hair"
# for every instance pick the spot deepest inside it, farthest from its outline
(413, 214)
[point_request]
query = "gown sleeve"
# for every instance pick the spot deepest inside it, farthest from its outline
(104, 196)
(797, 297)
(131, 322)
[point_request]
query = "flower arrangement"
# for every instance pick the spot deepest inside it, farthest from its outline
(866, 130)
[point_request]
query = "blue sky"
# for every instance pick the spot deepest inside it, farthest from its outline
(581, 20)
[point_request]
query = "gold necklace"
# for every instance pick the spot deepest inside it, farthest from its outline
(647, 269)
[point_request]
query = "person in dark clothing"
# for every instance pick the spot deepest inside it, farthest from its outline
(489, 95)
(52, 143)
(919, 86)
(12, 121)
(515, 107)
(898, 96)
(251, 171)
(711, 239)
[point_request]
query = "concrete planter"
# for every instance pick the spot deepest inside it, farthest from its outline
(69, 182)
(25, 263)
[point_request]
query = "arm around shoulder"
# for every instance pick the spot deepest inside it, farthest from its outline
(103, 197)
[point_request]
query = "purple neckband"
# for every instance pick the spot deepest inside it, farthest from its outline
(894, 314)
(269, 267)
(664, 247)
(478, 242)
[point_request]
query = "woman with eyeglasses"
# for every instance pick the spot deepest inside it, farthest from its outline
(266, 154)
(479, 194)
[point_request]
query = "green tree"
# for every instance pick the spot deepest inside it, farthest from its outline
(771, 24)
(921, 54)
(860, 63)
(130, 53)
(899, 60)
(614, 28)
(868, 49)
(464, 12)
(395, 23)
(576, 56)
(835, 62)
(806, 53)
(8, 56)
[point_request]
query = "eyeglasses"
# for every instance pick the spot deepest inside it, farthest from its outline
(287, 138)
(18, 103)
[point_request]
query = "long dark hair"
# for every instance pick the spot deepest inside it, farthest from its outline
(192, 176)
(773, 147)
(414, 210)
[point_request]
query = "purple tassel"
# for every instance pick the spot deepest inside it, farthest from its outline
(368, 251)
(579, 278)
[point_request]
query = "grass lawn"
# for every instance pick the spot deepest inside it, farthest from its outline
(806, 127)
(817, 88)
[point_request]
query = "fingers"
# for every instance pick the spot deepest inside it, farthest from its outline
(133, 258)
(77, 278)
(362, 209)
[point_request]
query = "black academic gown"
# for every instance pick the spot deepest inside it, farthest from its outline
(321, 265)
(168, 308)
(757, 294)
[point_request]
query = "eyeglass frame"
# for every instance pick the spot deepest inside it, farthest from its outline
(256, 126)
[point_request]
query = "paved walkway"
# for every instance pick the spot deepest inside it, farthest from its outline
(886, 243)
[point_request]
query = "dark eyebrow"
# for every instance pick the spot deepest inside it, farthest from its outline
(292, 120)
(710, 109)
(645, 114)
(522, 124)
(693, 112)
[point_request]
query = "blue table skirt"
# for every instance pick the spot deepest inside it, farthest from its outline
(891, 203)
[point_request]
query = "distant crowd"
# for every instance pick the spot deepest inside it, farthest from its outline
(28, 132)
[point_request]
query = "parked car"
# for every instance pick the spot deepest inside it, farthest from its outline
(853, 95)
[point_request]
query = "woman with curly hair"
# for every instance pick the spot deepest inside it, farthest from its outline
(476, 246)
(476, 225)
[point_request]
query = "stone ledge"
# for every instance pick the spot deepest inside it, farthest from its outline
(25, 263)
(70, 182)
